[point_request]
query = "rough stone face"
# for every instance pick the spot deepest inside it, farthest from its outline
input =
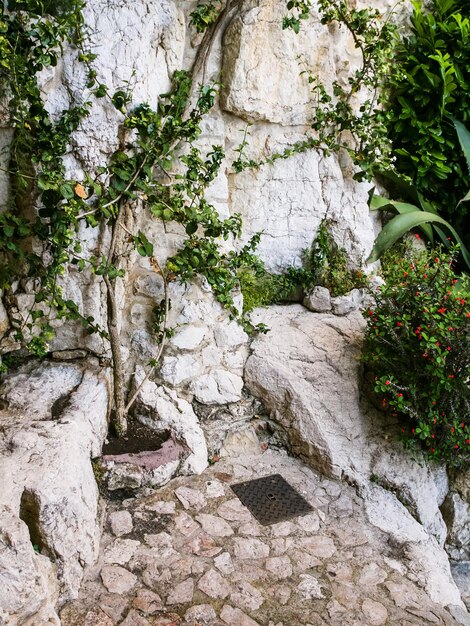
(306, 371)
(256, 73)
(461, 576)
(28, 583)
(342, 305)
(4, 321)
(318, 300)
(218, 387)
(161, 409)
(457, 516)
(429, 560)
(46, 477)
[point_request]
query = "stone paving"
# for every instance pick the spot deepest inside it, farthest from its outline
(191, 554)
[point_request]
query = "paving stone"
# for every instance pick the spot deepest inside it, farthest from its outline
(134, 619)
(74, 613)
(214, 489)
(181, 567)
(113, 605)
(347, 595)
(246, 570)
(250, 548)
(281, 545)
(372, 574)
(185, 524)
(402, 594)
(120, 523)
(375, 612)
(224, 563)
(161, 507)
(340, 572)
(280, 593)
(148, 602)
(315, 570)
(283, 529)
(428, 616)
(342, 507)
(97, 617)
(309, 587)
(234, 511)
(303, 561)
(279, 566)
(250, 528)
(246, 596)
(190, 498)
(116, 579)
(235, 617)
(182, 593)
(318, 545)
(335, 609)
(214, 525)
(309, 523)
(200, 615)
(204, 545)
(120, 552)
(163, 541)
(214, 585)
(170, 619)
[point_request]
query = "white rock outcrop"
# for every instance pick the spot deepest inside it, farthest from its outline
(161, 409)
(53, 421)
(307, 372)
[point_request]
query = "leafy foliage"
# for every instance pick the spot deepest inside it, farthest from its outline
(325, 264)
(432, 84)
(204, 15)
(339, 123)
(417, 347)
(422, 214)
(40, 236)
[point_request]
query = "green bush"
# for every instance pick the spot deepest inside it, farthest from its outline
(417, 347)
(431, 83)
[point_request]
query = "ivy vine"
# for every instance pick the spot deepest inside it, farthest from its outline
(40, 233)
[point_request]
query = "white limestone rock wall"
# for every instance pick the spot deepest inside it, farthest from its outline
(144, 43)
(265, 83)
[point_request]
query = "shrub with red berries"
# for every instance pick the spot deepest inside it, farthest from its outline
(418, 348)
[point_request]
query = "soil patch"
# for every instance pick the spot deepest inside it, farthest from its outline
(139, 438)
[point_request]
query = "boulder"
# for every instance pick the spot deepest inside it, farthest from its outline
(307, 372)
(161, 409)
(54, 422)
(28, 583)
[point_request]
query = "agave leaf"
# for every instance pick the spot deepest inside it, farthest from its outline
(466, 198)
(464, 138)
(401, 224)
(379, 202)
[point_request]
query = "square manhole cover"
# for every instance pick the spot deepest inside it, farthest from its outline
(271, 499)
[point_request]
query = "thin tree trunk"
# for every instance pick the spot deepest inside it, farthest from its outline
(120, 414)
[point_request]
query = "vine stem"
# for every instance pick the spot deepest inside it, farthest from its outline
(160, 350)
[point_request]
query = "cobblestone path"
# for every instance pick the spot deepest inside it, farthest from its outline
(191, 554)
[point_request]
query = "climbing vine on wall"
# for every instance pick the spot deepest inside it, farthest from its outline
(349, 117)
(40, 236)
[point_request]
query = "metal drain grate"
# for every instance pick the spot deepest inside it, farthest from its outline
(271, 499)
